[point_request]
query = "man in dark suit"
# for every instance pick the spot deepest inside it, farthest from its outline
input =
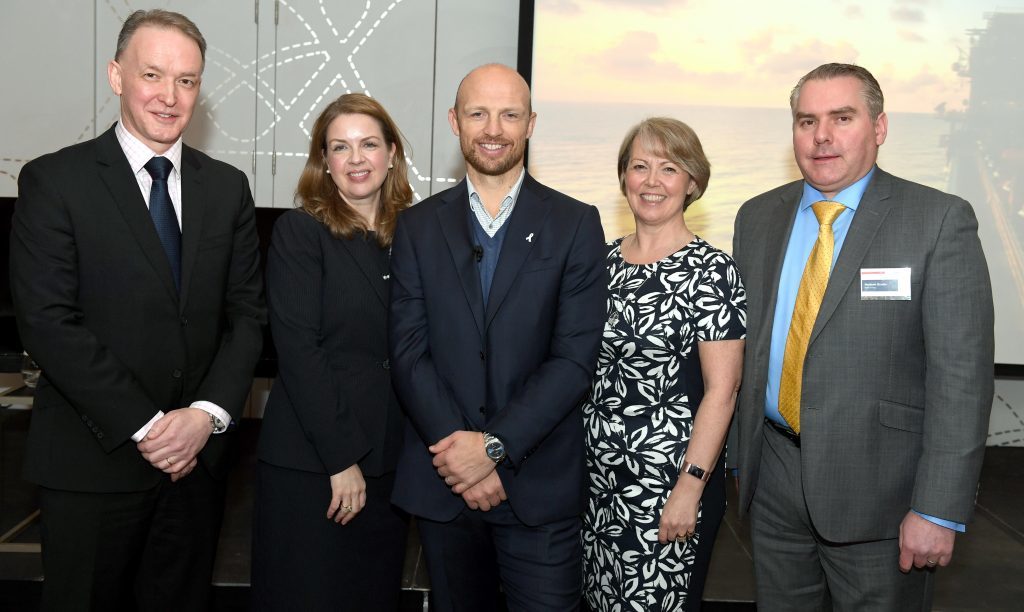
(134, 270)
(866, 390)
(497, 306)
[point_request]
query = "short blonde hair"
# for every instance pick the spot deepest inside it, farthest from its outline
(676, 142)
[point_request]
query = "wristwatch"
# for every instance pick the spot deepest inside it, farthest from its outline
(494, 448)
(217, 425)
(696, 471)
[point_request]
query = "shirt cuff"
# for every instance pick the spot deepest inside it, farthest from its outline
(211, 408)
(140, 434)
(942, 522)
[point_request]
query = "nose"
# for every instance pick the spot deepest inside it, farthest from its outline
(822, 132)
(493, 126)
(169, 93)
(356, 156)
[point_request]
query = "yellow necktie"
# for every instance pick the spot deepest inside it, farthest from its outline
(805, 311)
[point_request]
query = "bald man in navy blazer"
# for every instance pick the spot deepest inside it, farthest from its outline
(497, 306)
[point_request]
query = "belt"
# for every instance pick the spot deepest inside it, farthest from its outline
(785, 432)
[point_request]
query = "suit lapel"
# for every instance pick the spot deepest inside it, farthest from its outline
(527, 219)
(871, 212)
(124, 188)
(775, 237)
(193, 205)
(374, 275)
(454, 220)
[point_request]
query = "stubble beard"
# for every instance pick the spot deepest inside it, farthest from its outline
(492, 167)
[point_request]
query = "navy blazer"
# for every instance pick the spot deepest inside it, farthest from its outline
(518, 369)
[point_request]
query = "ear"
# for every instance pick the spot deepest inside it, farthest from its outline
(529, 129)
(114, 76)
(391, 154)
(881, 128)
(453, 120)
(692, 187)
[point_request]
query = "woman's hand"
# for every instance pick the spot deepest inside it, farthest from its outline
(679, 516)
(348, 495)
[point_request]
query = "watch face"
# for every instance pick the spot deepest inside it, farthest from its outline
(495, 449)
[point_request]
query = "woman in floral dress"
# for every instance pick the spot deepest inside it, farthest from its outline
(665, 387)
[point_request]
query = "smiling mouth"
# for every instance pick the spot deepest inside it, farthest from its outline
(359, 173)
(652, 197)
(493, 146)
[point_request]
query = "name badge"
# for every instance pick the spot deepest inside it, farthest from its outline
(885, 283)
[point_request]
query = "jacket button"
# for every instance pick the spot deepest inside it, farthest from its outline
(482, 356)
(176, 373)
(184, 321)
(483, 410)
(100, 435)
(386, 364)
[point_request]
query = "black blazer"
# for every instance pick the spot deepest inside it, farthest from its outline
(332, 405)
(517, 369)
(97, 309)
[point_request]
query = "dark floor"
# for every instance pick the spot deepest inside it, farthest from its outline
(987, 572)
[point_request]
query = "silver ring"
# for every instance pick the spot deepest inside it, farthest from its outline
(447, 480)
(930, 562)
(168, 460)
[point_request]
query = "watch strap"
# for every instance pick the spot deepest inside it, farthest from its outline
(696, 471)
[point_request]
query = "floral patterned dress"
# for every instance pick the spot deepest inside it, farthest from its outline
(638, 419)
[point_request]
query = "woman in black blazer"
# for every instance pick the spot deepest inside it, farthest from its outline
(325, 535)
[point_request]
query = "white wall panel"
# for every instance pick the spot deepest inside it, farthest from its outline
(271, 66)
(47, 48)
(469, 33)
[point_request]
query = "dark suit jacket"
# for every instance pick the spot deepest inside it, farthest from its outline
(332, 404)
(896, 394)
(518, 369)
(97, 309)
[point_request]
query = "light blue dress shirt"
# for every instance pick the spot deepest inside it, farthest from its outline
(801, 242)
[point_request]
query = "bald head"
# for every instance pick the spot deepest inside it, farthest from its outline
(496, 77)
(493, 120)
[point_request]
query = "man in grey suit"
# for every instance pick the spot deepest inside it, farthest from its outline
(866, 389)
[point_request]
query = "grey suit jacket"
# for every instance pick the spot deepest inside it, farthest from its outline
(896, 394)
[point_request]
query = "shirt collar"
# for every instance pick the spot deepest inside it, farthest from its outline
(139, 154)
(849, 197)
(510, 197)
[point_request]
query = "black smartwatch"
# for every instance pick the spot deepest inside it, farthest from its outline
(494, 448)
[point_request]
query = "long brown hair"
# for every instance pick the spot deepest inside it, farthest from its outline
(316, 192)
